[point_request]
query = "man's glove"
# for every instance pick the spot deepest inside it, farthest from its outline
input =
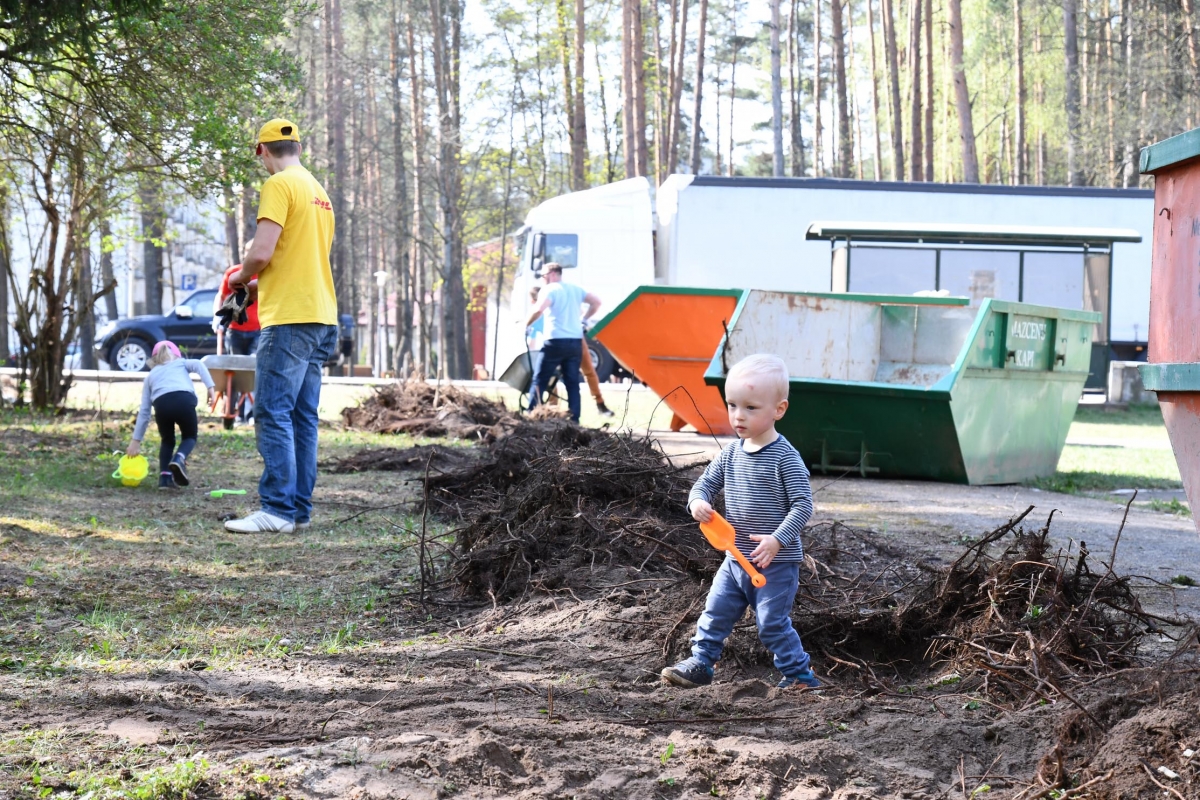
(234, 308)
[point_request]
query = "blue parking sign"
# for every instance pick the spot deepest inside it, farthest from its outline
(187, 282)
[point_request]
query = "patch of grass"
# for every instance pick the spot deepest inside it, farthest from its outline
(1148, 463)
(1172, 506)
(1144, 414)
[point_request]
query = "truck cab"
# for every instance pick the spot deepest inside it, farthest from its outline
(604, 240)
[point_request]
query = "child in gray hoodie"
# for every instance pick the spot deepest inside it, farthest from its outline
(168, 388)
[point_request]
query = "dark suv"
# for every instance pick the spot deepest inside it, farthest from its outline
(126, 344)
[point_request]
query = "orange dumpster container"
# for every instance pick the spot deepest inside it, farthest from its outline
(1173, 370)
(667, 336)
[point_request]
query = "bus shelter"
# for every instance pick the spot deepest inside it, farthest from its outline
(1058, 267)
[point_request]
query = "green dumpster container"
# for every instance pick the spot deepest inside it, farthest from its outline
(911, 387)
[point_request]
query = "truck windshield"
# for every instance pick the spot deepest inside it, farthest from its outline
(563, 248)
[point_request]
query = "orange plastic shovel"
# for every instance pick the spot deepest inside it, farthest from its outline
(720, 534)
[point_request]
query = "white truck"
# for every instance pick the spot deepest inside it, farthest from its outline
(752, 233)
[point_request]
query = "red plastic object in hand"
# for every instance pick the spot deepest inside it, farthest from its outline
(721, 535)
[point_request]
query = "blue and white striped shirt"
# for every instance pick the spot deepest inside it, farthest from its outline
(766, 493)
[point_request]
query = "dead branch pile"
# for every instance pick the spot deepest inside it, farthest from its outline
(419, 408)
(1011, 616)
(551, 499)
(1031, 618)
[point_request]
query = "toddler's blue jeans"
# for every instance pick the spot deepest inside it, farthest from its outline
(732, 593)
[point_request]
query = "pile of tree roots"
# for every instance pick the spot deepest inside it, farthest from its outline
(552, 507)
(552, 503)
(419, 408)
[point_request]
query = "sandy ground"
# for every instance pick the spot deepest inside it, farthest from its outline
(559, 696)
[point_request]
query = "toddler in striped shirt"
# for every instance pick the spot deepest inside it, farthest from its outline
(768, 501)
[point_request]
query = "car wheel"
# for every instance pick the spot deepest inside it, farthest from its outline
(130, 355)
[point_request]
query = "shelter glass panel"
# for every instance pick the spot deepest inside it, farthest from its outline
(892, 270)
(981, 273)
(1054, 279)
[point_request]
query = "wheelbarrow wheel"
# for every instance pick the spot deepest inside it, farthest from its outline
(227, 422)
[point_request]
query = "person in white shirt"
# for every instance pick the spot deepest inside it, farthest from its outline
(562, 346)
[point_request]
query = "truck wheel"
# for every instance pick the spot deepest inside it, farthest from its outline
(130, 355)
(602, 360)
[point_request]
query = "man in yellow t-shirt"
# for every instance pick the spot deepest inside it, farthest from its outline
(297, 308)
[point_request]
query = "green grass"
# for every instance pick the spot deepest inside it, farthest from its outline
(101, 579)
(1133, 453)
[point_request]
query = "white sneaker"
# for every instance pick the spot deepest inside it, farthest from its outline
(260, 522)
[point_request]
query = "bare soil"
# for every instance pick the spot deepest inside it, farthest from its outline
(236, 651)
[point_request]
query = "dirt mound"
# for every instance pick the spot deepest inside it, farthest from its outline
(419, 408)
(393, 459)
(551, 498)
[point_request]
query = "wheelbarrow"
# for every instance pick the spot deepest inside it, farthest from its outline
(233, 375)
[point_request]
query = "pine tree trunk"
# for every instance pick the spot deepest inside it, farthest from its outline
(417, 120)
(845, 142)
(563, 19)
(85, 317)
(662, 85)
(962, 98)
(579, 152)
(610, 167)
(1020, 169)
(699, 86)
(1129, 169)
(335, 127)
(818, 142)
(1071, 52)
(676, 118)
(106, 273)
(1110, 102)
(401, 274)
(733, 93)
(1189, 35)
(447, 22)
(893, 66)
(776, 93)
(249, 214)
(914, 74)
(628, 94)
(797, 138)
(231, 226)
(875, 93)
(929, 97)
(152, 252)
(855, 111)
(639, 87)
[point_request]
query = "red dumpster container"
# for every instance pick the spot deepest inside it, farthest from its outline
(1173, 370)
(666, 336)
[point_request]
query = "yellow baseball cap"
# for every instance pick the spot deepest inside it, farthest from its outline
(279, 130)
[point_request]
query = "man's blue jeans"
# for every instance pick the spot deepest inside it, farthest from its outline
(732, 593)
(287, 389)
(567, 353)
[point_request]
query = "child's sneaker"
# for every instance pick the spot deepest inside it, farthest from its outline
(177, 469)
(166, 481)
(689, 673)
(805, 678)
